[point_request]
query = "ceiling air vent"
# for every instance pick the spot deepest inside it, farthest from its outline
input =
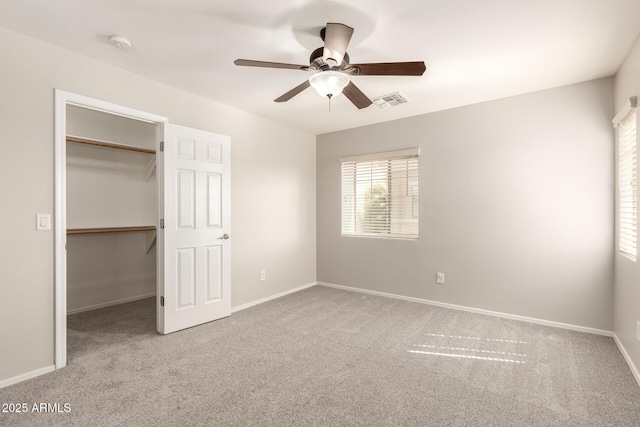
(390, 100)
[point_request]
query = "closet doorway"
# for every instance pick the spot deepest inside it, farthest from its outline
(141, 209)
(111, 209)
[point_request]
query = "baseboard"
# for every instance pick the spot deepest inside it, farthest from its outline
(110, 303)
(26, 376)
(272, 297)
(627, 358)
(474, 310)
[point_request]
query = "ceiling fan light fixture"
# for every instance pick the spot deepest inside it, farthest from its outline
(333, 68)
(329, 84)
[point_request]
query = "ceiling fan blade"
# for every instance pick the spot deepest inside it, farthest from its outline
(293, 92)
(356, 96)
(336, 40)
(416, 68)
(265, 64)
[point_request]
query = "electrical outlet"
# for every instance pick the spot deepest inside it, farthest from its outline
(440, 278)
(263, 275)
(638, 330)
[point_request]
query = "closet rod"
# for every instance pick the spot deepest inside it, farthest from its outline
(108, 144)
(109, 230)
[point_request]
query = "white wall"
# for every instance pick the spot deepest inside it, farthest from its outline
(109, 188)
(516, 207)
(273, 187)
(110, 127)
(627, 272)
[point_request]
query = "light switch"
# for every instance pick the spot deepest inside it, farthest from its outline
(43, 222)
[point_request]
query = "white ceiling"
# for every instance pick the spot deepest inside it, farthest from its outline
(475, 50)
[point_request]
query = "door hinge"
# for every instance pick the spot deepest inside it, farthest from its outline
(162, 301)
(162, 223)
(161, 145)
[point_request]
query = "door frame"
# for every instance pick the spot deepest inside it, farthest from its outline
(62, 99)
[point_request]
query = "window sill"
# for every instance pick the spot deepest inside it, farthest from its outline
(385, 237)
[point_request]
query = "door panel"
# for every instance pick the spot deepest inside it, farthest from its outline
(197, 258)
(214, 193)
(214, 273)
(214, 153)
(186, 198)
(185, 278)
(185, 148)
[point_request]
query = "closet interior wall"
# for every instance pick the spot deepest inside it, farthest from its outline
(109, 188)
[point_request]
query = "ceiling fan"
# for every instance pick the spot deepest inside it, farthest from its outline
(334, 70)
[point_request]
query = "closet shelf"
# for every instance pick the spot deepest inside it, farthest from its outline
(109, 230)
(108, 144)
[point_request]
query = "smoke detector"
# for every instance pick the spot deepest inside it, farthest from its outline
(390, 100)
(120, 42)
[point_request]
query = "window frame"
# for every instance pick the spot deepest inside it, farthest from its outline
(627, 180)
(350, 199)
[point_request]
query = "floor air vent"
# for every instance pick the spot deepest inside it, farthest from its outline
(390, 100)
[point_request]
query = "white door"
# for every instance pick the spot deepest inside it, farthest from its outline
(195, 250)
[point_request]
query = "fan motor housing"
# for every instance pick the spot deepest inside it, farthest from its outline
(316, 61)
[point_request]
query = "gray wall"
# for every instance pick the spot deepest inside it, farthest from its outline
(516, 207)
(272, 166)
(627, 272)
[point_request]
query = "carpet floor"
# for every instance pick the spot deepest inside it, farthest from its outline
(327, 357)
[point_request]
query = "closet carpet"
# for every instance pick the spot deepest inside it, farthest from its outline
(326, 357)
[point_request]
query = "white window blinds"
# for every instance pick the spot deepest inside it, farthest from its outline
(627, 181)
(380, 194)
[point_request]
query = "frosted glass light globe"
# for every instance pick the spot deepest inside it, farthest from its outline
(329, 83)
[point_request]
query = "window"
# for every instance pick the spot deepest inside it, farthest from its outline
(380, 194)
(625, 121)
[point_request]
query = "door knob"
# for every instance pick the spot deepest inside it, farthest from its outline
(225, 236)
